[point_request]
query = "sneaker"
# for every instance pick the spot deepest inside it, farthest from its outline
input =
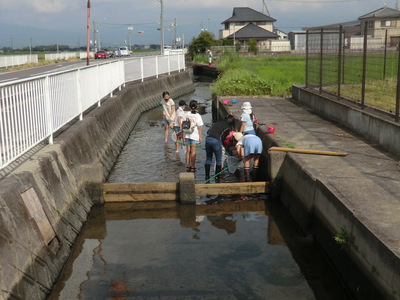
(166, 141)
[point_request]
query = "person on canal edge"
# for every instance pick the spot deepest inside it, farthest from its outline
(215, 136)
(193, 135)
(249, 147)
(179, 117)
(168, 108)
(246, 119)
(210, 57)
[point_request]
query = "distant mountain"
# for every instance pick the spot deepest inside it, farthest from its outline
(20, 36)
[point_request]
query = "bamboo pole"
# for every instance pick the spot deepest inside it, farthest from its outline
(307, 151)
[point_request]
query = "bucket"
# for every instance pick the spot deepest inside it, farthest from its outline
(270, 129)
(234, 101)
(225, 101)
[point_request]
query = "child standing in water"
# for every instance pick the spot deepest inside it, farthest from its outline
(179, 117)
(168, 108)
(193, 138)
(247, 117)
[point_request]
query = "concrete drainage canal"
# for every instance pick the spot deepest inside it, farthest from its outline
(235, 247)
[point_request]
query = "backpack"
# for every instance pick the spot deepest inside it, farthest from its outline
(188, 125)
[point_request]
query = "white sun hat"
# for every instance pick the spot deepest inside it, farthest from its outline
(246, 107)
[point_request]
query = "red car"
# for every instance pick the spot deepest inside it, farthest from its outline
(101, 54)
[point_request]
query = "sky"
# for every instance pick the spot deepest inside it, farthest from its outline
(38, 19)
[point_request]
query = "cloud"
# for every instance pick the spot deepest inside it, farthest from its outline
(38, 6)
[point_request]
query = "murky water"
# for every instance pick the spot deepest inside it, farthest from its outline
(222, 249)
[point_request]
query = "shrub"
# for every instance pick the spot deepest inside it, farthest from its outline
(242, 82)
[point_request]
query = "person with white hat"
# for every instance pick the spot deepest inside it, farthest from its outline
(247, 117)
(249, 147)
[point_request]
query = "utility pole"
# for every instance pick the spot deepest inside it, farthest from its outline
(94, 36)
(162, 27)
(12, 46)
(88, 33)
(175, 46)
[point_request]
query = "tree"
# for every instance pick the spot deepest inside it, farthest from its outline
(203, 42)
(253, 46)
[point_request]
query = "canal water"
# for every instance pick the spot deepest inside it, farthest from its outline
(231, 247)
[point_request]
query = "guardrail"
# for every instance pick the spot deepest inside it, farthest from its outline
(33, 109)
(61, 55)
(150, 66)
(16, 60)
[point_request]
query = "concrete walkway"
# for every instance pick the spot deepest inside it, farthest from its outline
(367, 181)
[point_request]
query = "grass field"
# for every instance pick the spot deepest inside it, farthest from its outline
(276, 75)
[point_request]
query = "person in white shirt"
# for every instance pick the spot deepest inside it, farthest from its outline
(179, 117)
(168, 108)
(194, 138)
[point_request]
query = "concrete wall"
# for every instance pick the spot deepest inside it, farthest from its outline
(375, 128)
(45, 200)
(367, 265)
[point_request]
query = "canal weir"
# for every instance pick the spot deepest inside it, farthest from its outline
(46, 196)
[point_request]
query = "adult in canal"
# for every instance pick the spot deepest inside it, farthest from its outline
(192, 136)
(247, 126)
(215, 136)
(249, 147)
(168, 108)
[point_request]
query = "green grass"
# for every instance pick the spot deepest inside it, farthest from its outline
(259, 75)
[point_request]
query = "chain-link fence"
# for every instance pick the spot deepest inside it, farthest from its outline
(362, 69)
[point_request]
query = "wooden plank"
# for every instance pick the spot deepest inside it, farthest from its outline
(232, 188)
(153, 187)
(129, 197)
(307, 151)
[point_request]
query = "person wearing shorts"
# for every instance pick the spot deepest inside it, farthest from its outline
(249, 147)
(179, 117)
(194, 138)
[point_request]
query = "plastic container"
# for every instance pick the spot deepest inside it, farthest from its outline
(234, 101)
(225, 101)
(270, 129)
(255, 120)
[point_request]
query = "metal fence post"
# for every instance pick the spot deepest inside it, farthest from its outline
(321, 59)
(307, 58)
(141, 69)
(343, 56)
(385, 55)
(396, 117)
(157, 66)
(49, 117)
(364, 70)
(339, 62)
(169, 64)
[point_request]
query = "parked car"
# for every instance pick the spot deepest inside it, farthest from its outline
(101, 54)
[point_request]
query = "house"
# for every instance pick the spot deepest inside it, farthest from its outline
(382, 22)
(247, 24)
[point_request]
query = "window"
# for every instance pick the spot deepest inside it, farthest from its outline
(261, 23)
(240, 23)
(386, 23)
(370, 24)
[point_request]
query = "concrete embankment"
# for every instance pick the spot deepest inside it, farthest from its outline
(45, 200)
(354, 199)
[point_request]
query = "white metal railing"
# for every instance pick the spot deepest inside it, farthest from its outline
(149, 66)
(16, 60)
(61, 55)
(34, 109)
